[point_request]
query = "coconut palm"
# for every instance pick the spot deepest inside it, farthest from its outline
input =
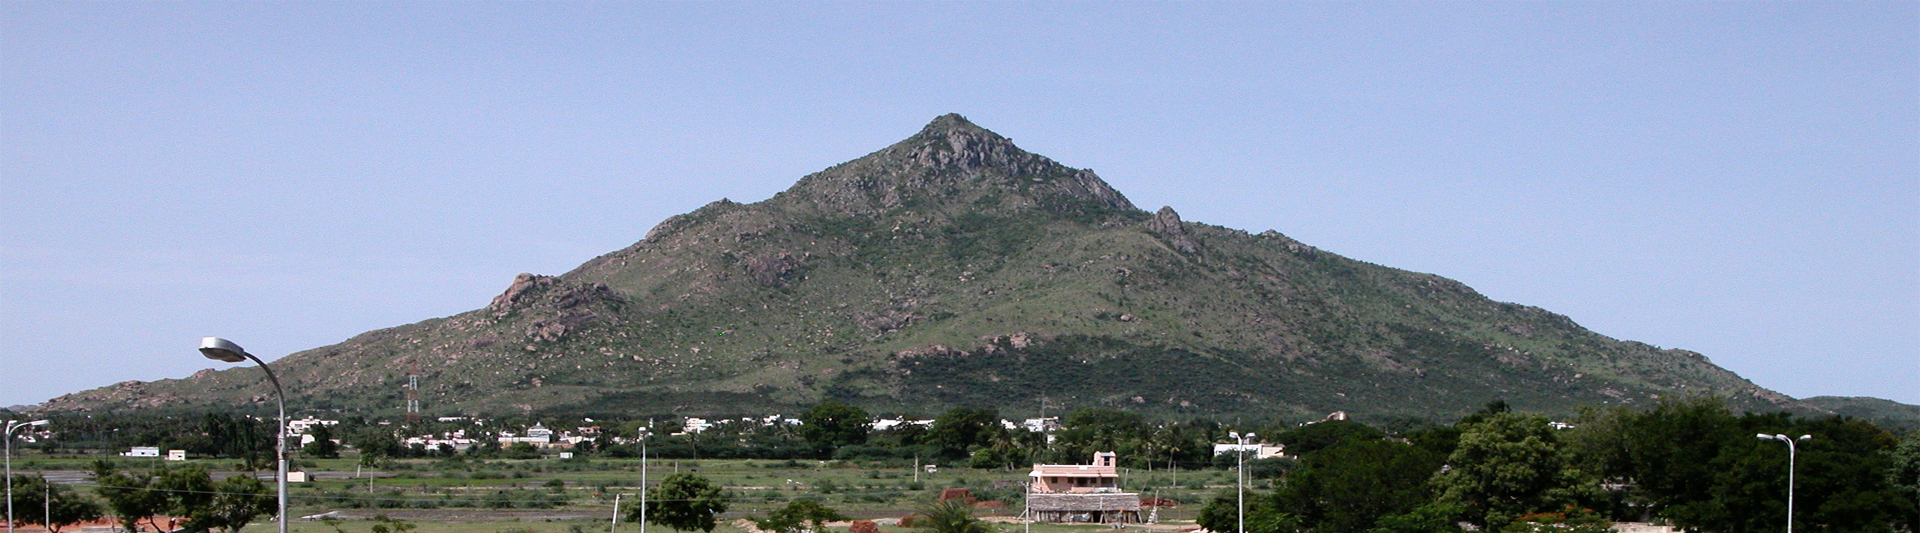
(950, 516)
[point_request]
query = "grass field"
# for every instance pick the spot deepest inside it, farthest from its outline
(578, 495)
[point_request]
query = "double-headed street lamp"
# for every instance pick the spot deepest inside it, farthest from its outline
(220, 349)
(1240, 474)
(13, 425)
(1792, 450)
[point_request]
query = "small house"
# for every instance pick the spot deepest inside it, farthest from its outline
(1081, 493)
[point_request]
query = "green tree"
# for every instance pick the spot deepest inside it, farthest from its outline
(1348, 488)
(800, 516)
(1264, 515)
(130, 497)
(189, 493)
(831, 425)
(1694, 462)
(237, 501)
(378, 444)
(1507, 465)
(684, 502)
(1903, 475)
(1313, 437)
(1086, 431)
(950, 516)
(1663, 457)
(1841, 484)
(322, 446)
(960, 429)
(522, 450)
(56, 504)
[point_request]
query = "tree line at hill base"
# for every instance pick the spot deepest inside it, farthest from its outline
(1692, 463)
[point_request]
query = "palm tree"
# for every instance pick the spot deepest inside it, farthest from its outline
(950, 516)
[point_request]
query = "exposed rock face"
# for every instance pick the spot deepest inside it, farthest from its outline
(522, 283)
(953, 161)
(530, 290)
(553, 306)
(771, 269)
(1168, 226)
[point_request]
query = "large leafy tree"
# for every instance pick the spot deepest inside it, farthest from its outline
(1694, 462)
(1841, 484)
(1903, 476)
(1349, 487)
(189, 492)
(130, 497)
(251, 440)
(322, 446)
(831, 425)
(1664, 456)
(38, 501)
(229, 504)
(684, 502)
(237, 501)
(1508, 465)
(1086, 431)
(961, 428)
(1314, 437)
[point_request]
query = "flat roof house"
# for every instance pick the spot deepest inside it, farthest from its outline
(1081, 493)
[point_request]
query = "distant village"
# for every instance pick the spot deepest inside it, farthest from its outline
(301, 433)
(1085, 493)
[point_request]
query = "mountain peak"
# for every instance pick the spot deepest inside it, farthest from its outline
(952, 159)
(951, 140)
(952, 125)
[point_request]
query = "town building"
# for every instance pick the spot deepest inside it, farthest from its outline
(301, 426)
(1081, 493)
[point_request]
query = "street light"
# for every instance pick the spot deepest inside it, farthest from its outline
(644, 433)
(219, 349)
(13, 425)
(1792, 450)
(1240, 474)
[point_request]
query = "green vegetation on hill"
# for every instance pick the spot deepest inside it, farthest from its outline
(1887, 413)
(953, 268)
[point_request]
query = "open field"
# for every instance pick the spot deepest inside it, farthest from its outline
(565, 496)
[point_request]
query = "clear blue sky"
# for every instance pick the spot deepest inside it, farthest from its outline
(1737, 178)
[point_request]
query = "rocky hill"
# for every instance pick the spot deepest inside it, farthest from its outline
(954, 268)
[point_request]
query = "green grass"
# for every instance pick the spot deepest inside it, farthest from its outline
(754, 486)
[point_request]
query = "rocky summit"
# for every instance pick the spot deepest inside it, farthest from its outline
(954, 268)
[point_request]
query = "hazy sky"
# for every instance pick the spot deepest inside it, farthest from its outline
(1737, 178)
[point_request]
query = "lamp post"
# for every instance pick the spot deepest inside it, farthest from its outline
(1240, 473)
(219, 349)
(1792, 451)
(644, 432)
(13, 425)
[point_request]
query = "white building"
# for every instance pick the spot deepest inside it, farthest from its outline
(695, 425)
(1253, 451)
(300, 427)
(890, 423)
